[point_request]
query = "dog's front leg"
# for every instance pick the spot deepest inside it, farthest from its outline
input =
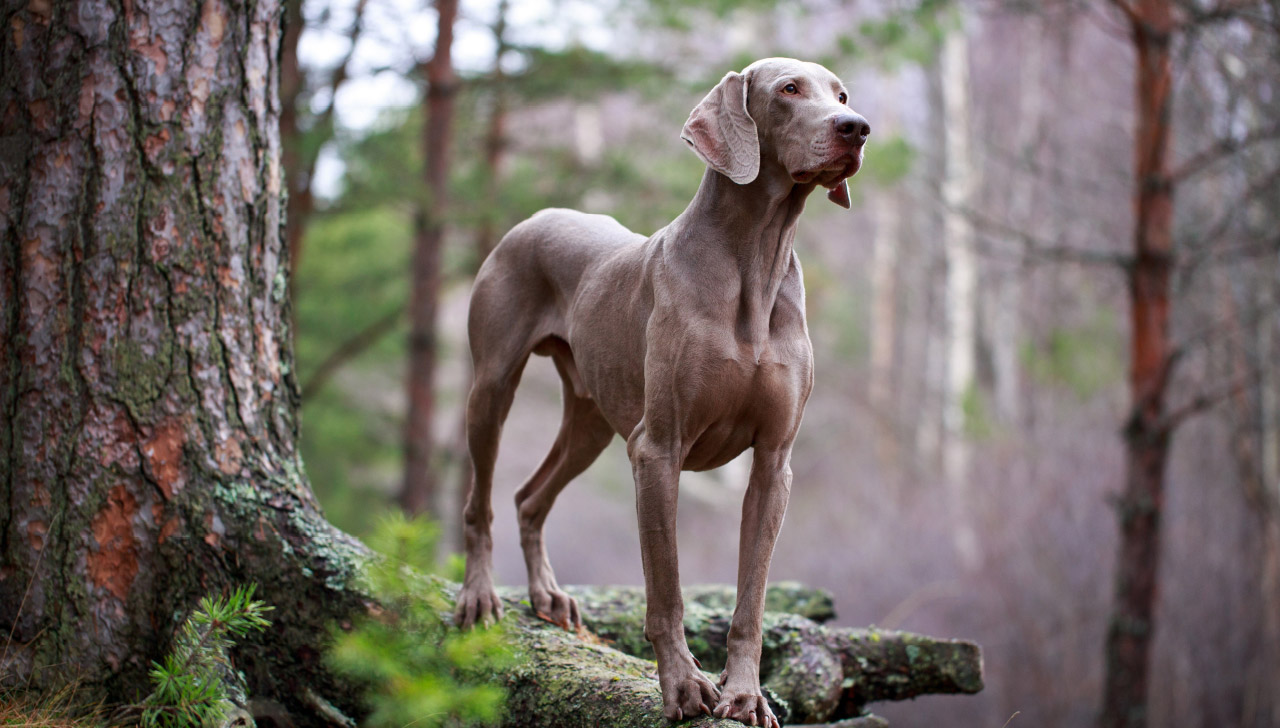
(763, 507)
(686, 691)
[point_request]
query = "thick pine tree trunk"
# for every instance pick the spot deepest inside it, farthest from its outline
(1146, 435)
(146, 372)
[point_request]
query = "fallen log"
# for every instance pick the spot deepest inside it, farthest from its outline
(810, 673)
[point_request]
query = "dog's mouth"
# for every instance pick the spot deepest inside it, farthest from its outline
(832, 172)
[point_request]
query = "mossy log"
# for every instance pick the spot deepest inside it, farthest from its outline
(811, 673)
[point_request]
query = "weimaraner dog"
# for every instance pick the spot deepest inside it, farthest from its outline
(691, 344)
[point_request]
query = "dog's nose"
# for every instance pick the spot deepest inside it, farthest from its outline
(852, 127)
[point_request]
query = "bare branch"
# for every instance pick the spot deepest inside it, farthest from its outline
(1204, 401)
(1129, 13)
(1211, 251)
(1220, 150)
(1036, 250)
(1224, 11)
(348, 350)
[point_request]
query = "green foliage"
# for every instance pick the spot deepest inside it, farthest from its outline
(1084, 358)
(837, 308)
(351, 275)
(190, 684)
(910, 35)
(578, 72)
(891, 160)
(978, 423)
(678, 15)
(419, 670)
(383, 165)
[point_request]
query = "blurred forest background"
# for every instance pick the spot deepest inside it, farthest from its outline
(980, 356)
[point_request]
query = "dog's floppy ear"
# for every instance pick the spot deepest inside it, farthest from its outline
(722, 133)
(840, 194)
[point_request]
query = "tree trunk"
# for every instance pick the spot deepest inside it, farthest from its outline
(495, 146)
(823, 674)
(1146, 434)
(1005, 292)
(884, 294)
(495, 140)
(292, 82)
(146, 372)
(419, 491)
(302, 145)
(961, 295)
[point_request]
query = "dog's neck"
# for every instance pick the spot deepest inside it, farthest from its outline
(752, 225)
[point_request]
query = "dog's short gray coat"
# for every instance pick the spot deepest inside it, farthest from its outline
(691, 344)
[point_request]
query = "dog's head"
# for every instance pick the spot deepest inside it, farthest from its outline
(788, 113)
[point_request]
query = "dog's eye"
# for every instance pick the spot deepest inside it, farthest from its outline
(790, 89)
(843, 98)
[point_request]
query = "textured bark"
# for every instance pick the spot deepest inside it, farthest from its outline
(1146, 436)
(418, 493)
(146, 379)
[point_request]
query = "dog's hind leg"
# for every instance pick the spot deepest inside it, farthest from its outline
(584, 434)
(492, 392)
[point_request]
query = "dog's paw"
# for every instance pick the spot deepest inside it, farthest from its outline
(746, 707)
(553, 605)
(686, 692)
(477, 604)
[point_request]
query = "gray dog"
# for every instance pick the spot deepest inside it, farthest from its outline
(691, 344)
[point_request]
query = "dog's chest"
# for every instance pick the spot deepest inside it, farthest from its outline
(742, 394)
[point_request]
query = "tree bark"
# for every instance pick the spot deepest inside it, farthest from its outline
(418, 494)
(961, 295)
(495, 146)
(292, 84)
(302, 142)
(146, 371)
(1146, 434)
(823, 674)
(495, 139)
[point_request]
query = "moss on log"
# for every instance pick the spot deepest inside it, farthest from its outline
(811, 673)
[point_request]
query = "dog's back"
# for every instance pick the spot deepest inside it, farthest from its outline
(556, 245)
(532, 276)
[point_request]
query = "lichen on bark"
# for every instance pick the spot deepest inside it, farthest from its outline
(812, 673)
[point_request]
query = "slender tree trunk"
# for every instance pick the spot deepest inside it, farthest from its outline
(495, 147)
(302, 146)
(495, 139)
(1005, 293)
(292, 82)
(961, 295)
(884, 294)
(419, 491)
(146, 384)
(1146, 435)
(1249, 348)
